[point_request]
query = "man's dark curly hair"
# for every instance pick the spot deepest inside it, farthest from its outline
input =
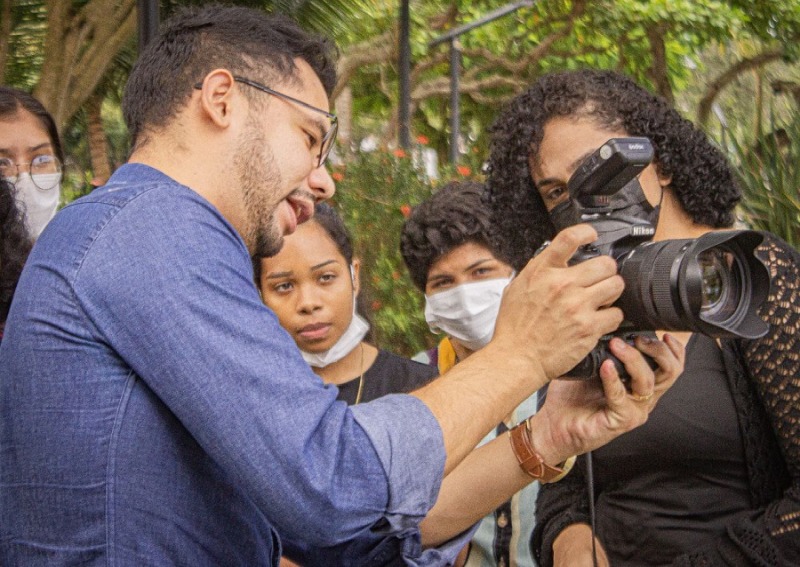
(15, 243)
(454, 215)
(197, 40)
(702, 179)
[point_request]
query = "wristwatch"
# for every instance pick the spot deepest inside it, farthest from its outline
(532, 462)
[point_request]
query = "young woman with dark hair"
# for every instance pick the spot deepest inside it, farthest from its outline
(713, 478)
(312, 285)
(31, 156)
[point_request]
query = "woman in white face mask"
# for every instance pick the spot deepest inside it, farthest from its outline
(312, 285)
(31, 156)
(446, 245)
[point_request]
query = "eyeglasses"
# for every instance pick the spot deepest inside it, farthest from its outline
(45, 171)
(327, 139)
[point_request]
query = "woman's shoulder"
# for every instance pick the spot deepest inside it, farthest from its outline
(395, 374)
(392, 360)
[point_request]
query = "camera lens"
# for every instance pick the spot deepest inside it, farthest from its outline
(712, 284)
(716, 282)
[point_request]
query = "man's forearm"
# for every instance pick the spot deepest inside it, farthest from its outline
(475, 395)
(485, 479)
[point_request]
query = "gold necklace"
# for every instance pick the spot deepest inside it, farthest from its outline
(361, 378)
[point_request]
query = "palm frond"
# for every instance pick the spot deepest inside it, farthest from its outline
(769, 173)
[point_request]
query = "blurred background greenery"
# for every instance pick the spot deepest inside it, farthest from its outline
(729, 65)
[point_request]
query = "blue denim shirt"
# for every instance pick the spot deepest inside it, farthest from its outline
(153, 411)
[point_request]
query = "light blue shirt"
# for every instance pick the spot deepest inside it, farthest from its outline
(153, 411)
(522, 516)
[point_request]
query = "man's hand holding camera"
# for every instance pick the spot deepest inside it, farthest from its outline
(565, 308)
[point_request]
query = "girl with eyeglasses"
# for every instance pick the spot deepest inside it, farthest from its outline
(31, 156)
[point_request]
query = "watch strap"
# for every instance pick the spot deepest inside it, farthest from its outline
(529, 460)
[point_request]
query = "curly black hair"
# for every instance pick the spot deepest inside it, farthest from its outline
(454, 215)
(15, 244)
(701, 178)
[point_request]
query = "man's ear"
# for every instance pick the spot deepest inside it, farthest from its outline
(218, 95)
(356, 275)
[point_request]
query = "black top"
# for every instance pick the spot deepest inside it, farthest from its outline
(674, 483)
(763, 380)
(389, 374)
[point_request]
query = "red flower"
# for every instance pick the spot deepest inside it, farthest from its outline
(337, 176)
(376, 305)
(463, 170)
(405, 210)
(395, 275)
(399, 152)
(422, 139)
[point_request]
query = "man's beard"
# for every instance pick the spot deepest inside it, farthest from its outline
(260, 180)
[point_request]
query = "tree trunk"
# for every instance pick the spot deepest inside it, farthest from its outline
(98, 144)
(759, 110)
(659, 72)
(5, 34)
(344, 111)
(716, 86)
(80, 45)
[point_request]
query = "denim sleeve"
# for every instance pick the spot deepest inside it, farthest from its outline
(167, 283)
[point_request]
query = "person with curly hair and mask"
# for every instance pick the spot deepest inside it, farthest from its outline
(15, 243)
(447, 247)
(713, 478)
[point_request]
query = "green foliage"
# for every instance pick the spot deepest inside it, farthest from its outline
(375, 193)
(769, 172)
(25, 44)
(498, 57)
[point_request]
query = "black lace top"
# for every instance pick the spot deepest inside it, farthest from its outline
(764, 380)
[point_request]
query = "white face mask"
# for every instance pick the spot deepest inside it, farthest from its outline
(40, 204)
(467, 312)
(349, 340)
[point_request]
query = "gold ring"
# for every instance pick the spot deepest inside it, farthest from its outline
(641, 398)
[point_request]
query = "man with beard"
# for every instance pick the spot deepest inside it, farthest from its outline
(152, 410)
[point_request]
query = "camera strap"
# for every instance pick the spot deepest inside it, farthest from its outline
(590, 489)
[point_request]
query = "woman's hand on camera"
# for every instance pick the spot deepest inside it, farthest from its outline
(581, 415)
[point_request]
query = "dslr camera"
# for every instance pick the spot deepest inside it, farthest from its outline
(713, 284)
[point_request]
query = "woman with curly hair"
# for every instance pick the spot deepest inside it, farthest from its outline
(15, 243)
(713, 478)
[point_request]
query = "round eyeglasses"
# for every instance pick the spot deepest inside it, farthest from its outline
(45, 171)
